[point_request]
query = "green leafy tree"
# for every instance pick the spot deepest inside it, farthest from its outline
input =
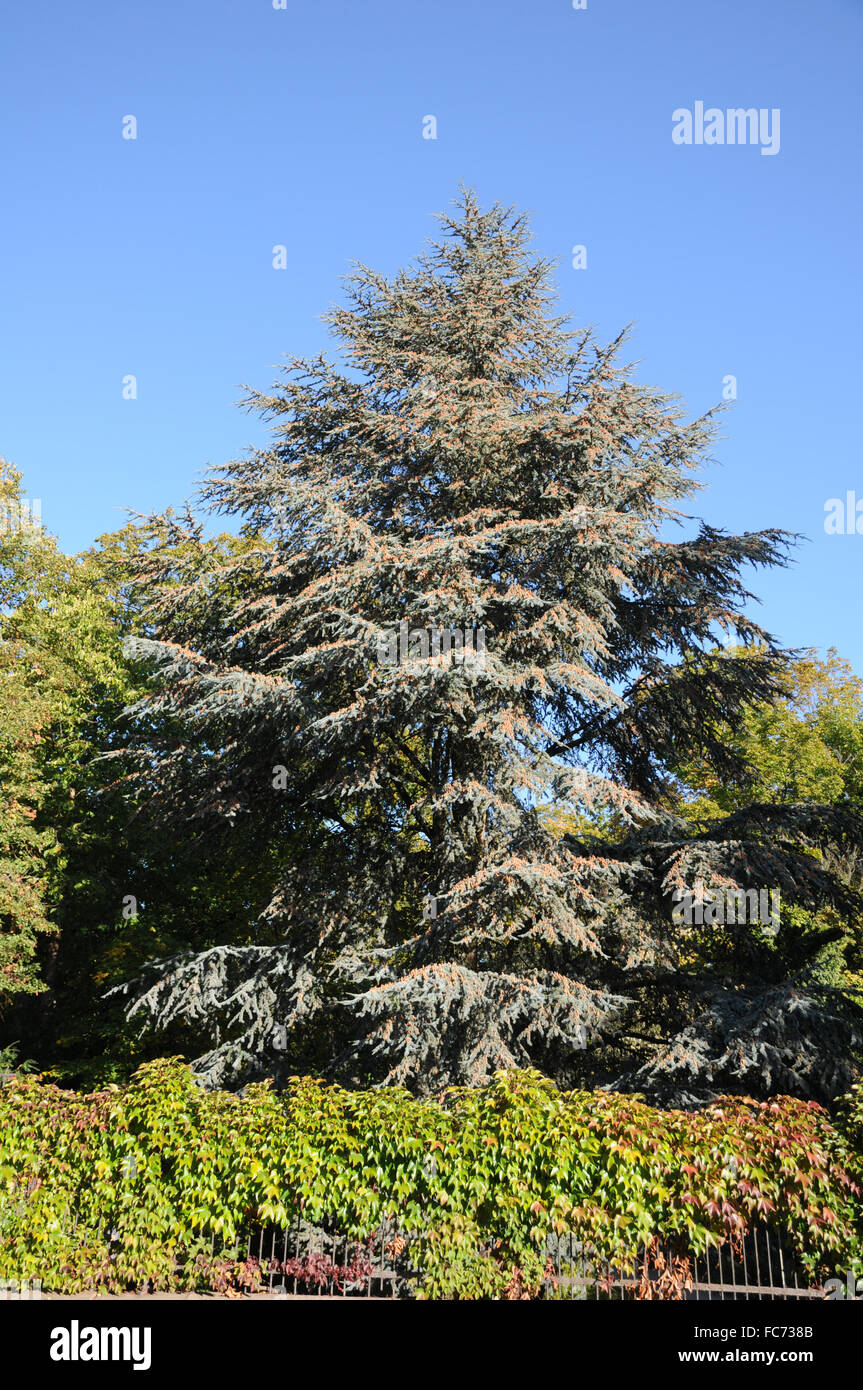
(806, 746)
(26, 849)
(67, 683)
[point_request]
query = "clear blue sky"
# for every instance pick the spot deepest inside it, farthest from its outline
(303, 127)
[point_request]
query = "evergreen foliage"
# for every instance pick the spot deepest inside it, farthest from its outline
(473, 466)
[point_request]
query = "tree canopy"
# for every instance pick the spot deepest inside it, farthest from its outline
(465, 589)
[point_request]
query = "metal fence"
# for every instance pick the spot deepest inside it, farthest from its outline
(310, 1260)
(757, 1267)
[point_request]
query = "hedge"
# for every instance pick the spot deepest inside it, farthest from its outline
(157, 1169)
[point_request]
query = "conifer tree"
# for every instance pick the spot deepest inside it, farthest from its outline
(471, 592)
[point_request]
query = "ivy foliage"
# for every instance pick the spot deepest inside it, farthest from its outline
(154, 1185)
